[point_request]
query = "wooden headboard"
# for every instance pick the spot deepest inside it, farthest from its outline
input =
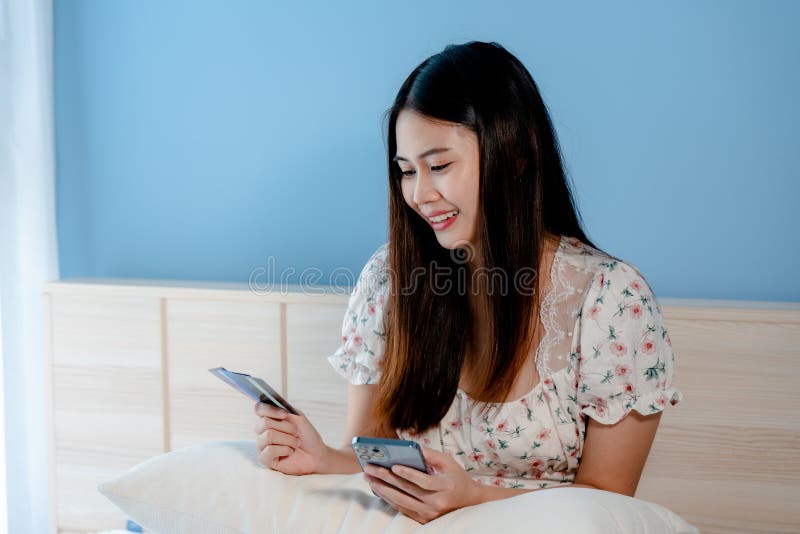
(129, 360)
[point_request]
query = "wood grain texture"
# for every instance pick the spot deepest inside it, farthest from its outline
(106, 375)
(725, 458)
(238, 335)
(313, 332)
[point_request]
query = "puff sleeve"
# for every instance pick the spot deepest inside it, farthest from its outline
(363, 334)
(626, 360)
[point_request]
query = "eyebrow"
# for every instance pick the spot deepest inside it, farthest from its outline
(424, 154)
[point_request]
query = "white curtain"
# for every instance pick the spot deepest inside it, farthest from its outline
(28, 255)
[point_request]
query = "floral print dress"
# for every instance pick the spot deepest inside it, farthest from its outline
(605, 351)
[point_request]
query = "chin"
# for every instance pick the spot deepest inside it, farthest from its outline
(452, 242)
(447, 243)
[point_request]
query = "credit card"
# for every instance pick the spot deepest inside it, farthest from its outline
(255, 388)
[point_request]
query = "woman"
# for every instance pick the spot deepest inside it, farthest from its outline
(489, 328)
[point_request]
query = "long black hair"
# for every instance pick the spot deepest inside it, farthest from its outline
(524, 193)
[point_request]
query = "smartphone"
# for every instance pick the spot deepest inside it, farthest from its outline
(255, 388)
(389, 452)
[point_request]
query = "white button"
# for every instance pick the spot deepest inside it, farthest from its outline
(570, 334)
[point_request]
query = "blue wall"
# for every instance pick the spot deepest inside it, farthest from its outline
(197, 139)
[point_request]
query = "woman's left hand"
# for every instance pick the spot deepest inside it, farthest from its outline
(422, 496)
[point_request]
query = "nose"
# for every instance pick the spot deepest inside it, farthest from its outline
(424, 190)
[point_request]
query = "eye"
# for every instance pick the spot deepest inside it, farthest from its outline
(439, 168)
(407, 173)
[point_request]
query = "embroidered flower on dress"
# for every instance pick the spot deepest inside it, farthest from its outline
(619, 349)
(622, 370)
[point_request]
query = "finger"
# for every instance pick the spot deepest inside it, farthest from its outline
(274, 452)
(405, 511)
(268, 410)
(276, 462)
(377, 492)
(275, 437)
(400, 499)
(272, 438)
(396, 481)
(434, 457)
(418, 478)
(433, 454)
(265, 423)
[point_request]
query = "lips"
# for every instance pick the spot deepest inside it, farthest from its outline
(435, 212)
(444, 220)
(442, 216)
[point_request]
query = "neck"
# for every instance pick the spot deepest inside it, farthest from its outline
(477, 291)
(549, 246)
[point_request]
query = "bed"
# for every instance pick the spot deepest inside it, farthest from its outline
(128, 364)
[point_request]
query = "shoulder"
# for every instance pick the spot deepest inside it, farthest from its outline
(378, 258)
(363, 333)
(620, 284)
(608, 279)
(624, 359)
(620, 311)
(374, 275)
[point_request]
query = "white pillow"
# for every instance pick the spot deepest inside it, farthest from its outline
(221, 487)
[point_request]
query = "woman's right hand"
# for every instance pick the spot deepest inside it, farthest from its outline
(286, 442)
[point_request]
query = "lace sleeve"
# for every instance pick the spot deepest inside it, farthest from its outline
(359, 356)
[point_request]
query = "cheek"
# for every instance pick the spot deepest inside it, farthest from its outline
(474, 193)
(408, 192)
(464, 191)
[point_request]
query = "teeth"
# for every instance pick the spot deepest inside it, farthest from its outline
(443, 216)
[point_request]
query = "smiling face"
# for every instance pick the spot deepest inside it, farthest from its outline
(440, 162)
